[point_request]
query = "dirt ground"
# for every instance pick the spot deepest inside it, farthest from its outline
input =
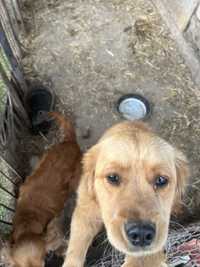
(92, 52)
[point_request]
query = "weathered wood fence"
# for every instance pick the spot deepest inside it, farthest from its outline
(13, 116)
(183, 20)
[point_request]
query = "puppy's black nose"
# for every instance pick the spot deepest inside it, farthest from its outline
(139, 233)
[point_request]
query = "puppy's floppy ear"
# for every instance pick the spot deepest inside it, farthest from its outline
(182, 176)
(89, 165)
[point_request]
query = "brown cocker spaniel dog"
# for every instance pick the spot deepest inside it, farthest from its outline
(132, 181)
(42, 198)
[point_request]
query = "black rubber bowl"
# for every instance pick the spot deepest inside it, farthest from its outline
(134, 107)
(39, 101)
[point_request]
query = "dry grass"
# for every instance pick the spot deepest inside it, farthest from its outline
(146, 56)
(89, 66)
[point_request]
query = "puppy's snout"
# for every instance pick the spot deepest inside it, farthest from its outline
(140, 234)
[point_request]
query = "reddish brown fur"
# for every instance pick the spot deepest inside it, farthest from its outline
(43, 195)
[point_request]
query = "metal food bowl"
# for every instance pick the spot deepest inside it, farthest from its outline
(134, 107)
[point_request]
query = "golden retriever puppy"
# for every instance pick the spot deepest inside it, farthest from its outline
(42, 198)
(132, 180)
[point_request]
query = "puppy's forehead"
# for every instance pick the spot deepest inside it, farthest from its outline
(114, 149)
(127, 149)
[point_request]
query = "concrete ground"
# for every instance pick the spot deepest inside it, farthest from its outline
(92, 52)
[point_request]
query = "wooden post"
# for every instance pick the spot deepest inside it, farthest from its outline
(182, 11)
(177, 15)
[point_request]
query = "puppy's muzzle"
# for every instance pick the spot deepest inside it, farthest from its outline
(140, 233)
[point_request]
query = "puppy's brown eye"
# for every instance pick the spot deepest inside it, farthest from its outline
(160, 181)
(113, 179)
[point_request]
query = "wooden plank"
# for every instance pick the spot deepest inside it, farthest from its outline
(8, 28)
(198, 12)
(192, 34)
(182, 11)
(185, 47)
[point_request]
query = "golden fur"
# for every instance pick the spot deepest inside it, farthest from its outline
(42, 198)
(137, 155)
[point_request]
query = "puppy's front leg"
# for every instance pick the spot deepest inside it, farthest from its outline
(155, 260)
(86, 223)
